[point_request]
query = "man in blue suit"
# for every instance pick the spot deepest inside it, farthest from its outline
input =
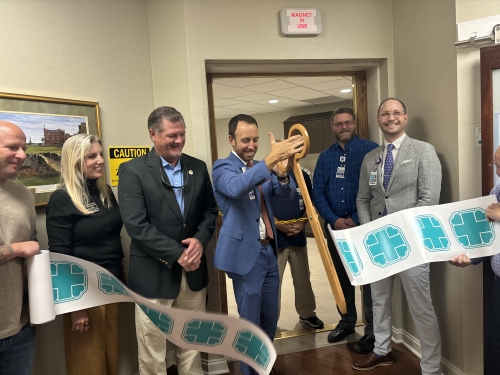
(246, 247)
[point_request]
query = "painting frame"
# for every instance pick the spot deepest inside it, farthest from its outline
(10, 102)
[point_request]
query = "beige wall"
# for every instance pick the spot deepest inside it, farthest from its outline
(469, 97)
(85, 50)
(133, 55)
(440, 85)
(245, 31)
(425, 79)
(469, 116)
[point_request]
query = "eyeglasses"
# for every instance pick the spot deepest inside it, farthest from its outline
(346, 123)
(496, 165)
(388, 114)
(164, 177)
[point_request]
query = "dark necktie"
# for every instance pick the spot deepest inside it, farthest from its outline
(263, 209)
(388, 165)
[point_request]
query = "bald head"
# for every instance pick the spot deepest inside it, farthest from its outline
(5, 125)
(12, 150)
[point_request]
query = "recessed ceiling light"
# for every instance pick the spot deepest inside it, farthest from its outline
(345, 90)
(273, 101)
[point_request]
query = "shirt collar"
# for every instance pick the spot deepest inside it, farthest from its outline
(245, 163)
(397, 142)
(166, 164)
(348, 144)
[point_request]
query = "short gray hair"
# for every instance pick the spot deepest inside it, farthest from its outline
(155, 119)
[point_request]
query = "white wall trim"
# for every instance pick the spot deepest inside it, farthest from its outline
(214, 364)
(449, 368)
(400, 336)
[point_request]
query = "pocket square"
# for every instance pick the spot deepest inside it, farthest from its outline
(406, 161)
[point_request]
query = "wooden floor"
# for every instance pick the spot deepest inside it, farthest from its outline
(336, 359)
(312, 355)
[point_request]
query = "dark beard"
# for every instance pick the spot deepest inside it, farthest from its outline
(345, 137)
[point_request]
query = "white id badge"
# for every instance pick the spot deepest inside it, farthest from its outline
(301, 204)
(373, 178)
(340, 172)
(252, 195)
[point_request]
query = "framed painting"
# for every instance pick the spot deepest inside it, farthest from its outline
(47, 123)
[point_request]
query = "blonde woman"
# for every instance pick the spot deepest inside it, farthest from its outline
(83, 220)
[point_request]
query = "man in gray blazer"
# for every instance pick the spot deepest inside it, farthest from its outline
(402, 173)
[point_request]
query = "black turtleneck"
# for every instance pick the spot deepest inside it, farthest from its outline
(94, 237)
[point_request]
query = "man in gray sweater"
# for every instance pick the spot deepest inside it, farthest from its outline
(17, 242)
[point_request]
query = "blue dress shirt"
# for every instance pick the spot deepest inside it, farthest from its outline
(175, 178)
(336, 197)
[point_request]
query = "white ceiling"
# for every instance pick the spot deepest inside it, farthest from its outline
(251, 95)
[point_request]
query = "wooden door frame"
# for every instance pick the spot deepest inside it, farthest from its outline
(489, 60)
(360, 108)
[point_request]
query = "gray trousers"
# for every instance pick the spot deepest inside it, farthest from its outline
(305, 302)
(417, 289)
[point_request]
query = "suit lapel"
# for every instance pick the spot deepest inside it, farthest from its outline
(239, 165)
(380, 176)
(191, 177)
(402, 155)
(379, 169)
(168, 193)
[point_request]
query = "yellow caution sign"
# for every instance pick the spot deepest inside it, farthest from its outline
(118, 155)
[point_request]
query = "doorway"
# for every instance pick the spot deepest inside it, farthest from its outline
(296, 94)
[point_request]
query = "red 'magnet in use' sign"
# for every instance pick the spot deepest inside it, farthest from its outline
(300, 21)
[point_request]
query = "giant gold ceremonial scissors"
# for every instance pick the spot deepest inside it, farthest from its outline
(293, 163)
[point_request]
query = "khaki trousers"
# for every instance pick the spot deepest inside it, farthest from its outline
(152, 344)
(95, 351)
(305, 302)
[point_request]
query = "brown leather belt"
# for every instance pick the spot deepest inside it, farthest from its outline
(264, 242)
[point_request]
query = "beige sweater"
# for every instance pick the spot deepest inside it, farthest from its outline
(17, 224)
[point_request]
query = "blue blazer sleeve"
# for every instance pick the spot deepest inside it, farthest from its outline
(239, 200)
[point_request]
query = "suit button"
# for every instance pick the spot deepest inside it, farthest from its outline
(257, 220)
(386, 197)
(184, 225)
(380, 213)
